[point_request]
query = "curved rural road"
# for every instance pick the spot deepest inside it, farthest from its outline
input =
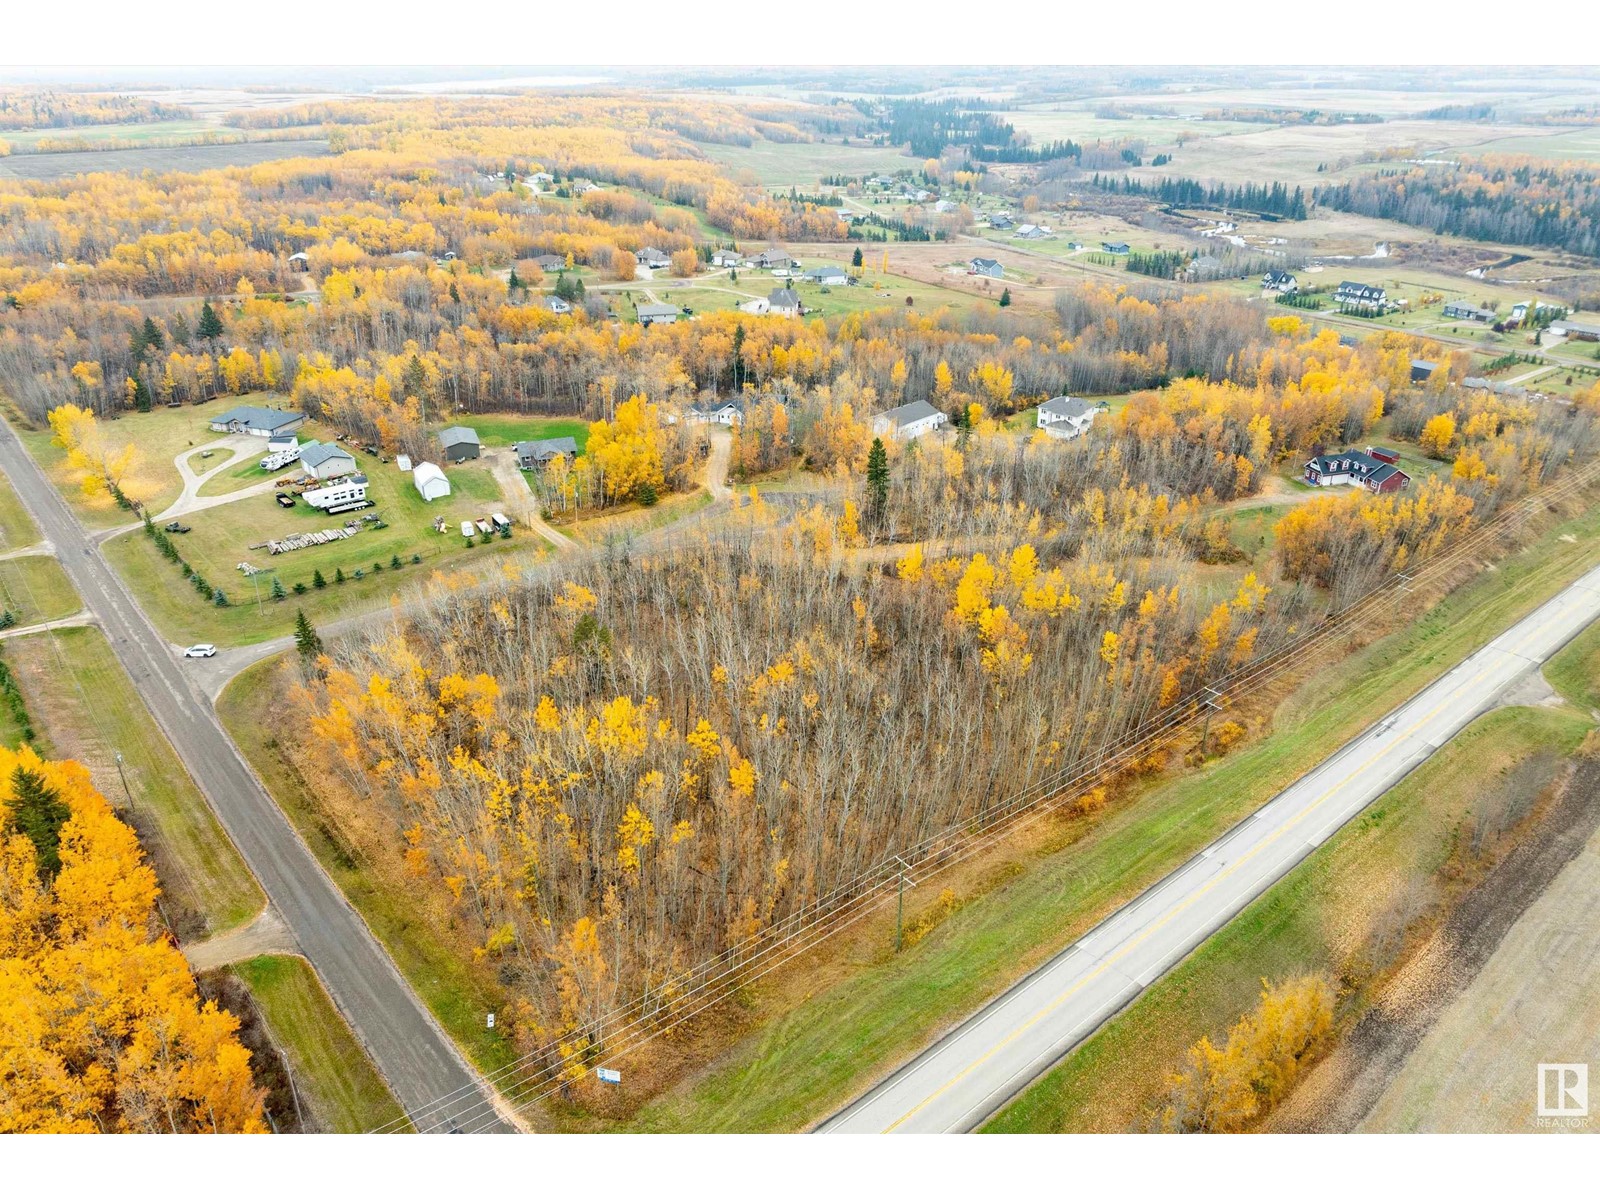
(411, 1051)
(957, 1083)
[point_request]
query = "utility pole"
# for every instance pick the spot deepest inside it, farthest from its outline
(1212, 702)
(125, 791)
(900, 903)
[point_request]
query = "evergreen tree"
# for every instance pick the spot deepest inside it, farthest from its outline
(514, 281)
(855, 259)
(141, 395)
(1005, 298)
(307, 642)
(878, 476)
(210, 328)
(180, 330)
(38, 813)
(153, 337)
(278, 592)
(317, 579)
(338, 574)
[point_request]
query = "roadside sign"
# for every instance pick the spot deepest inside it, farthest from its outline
(607, 1075)
(491, 1020)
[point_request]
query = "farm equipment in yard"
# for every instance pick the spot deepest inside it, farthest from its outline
(285, 500)
(176, 527)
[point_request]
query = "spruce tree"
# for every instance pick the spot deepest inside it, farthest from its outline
(1005, 298)
(317, 579)
(38, 814)
(306, 640)
(278, 592)
(153, 337)
(210, 327)
(878, 476)
(855, 259)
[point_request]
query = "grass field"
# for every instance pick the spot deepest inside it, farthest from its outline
(17, 529)
(504, 429)
(26, 139)
(458, 996)
(223, 537)
(862, 1011)
(86, 708)
(155, 158)
(333, 1075)
(1340, 912)
(1575, 672)
(802, 164)
(34, 588)
(161, 435)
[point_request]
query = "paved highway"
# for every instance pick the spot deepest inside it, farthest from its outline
(967, 1075)
(412, 1052)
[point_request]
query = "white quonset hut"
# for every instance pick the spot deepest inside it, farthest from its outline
(430, 481)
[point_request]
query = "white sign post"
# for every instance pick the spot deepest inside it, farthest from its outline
(607, 1075)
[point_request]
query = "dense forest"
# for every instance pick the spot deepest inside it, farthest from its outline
(1269, 199)
(1526, 202)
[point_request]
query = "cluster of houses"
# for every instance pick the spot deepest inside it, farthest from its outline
(1363, 297)
(1375, 468)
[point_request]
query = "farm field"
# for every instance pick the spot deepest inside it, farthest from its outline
(50, 167)
(801, 164)
(23, 140)
(335, 1079)
(86, 708)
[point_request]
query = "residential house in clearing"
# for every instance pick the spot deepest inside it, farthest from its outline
(1422, 370)
(1578, 331)
(299, 261)
(985, 266)
(945, 206)
(827, 275)
(1065, 417)
(658, 314)
(909, 421)
(1001, 221)
(727, 258)
(460, 443)
(326, 460)
(257, 421)
(655, 259)
(1356, 467)
(539, 453)
(345, 494)
(772, 259)
(715, 412)
(557, 305)
(783, 302)
(1367, 297)
(1280, 281)
(549, 262)
(541, 179)
(1115, 247)
(1031, 233)
(430, 481)
(1460, 310)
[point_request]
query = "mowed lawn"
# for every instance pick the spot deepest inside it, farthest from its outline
(504, 429)
(85, 707)
(1339, 913)
(332, 1074)
(161, 435)
(34, 588)
(223, 537)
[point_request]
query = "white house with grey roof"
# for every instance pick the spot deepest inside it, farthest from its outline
(783, 302)
(1065, 417)
(909, 421)
(326, 460)
(257, 421)
(827, 275)
(985, 266)
(657, 314)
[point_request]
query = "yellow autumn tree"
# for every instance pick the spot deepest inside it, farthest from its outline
(628, 449)
(101, 1028)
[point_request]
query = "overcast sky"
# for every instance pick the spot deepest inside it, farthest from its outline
(754, 32)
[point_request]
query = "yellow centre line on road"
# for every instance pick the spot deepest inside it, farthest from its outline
(1168, 917)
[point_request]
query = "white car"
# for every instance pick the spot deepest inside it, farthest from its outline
(203, 650)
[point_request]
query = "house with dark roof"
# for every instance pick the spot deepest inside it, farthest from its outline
(1065, 417)
(1368, 297)
(549, 262)
(460, 443)
(1115, 247)
(539, 453)
(326, 460)
(1280, 281)
(654, 259)
(985, 266)
(256, 421)
(1578, 331)
(771, 259)
(783, 302)
(1356, 467)
(909, 421)
(1422, 370)
(1460, 310)
(1001, 221)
